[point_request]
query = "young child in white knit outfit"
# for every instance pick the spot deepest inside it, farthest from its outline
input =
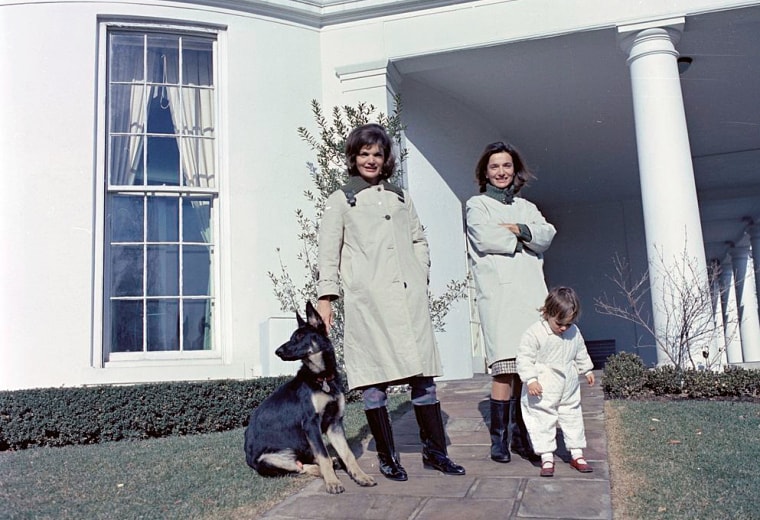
(550, 357)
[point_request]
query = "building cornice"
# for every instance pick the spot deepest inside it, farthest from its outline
(319, 14)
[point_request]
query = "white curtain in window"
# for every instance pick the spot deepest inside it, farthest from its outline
(127, 114)
(193, 115)
(192, 110)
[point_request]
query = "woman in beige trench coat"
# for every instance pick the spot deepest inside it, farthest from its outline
(372, 244)
(507, 237)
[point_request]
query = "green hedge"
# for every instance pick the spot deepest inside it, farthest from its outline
(626, 377)
(88, 415)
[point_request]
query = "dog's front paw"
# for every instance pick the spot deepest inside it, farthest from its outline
(334, 488)
(363, 479)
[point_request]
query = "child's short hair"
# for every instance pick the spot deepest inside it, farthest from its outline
(562, 303)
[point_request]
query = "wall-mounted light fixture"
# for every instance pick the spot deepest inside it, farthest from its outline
(684, 62)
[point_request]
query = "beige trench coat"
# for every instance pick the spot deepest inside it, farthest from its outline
(380, 252)
(510, 285)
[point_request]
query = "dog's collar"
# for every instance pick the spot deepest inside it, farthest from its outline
(324, 381)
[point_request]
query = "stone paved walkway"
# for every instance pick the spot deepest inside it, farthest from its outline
(488, 491)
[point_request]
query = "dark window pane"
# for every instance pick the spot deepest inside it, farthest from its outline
(126, 160)
(163, 219)
(196, 220)
(127, 108)
(197, 62)
(163, 325)
(196, 271)
(126, 271)
(163, 161)
(126, 218)
(163, 270)
(126, 326)
(160, 112)
(126, 57)
(163, 59)
(196, 324)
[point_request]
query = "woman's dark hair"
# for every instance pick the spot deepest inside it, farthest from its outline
(562, 303)
(522, 174)
(367, 135)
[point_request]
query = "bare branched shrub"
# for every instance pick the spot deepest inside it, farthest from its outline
(688, 334)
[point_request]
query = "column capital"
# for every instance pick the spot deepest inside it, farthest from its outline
(653, 37)
(754, 230)
(362, 76)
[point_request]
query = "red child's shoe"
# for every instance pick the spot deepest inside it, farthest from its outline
(547, 469)
(581, 465)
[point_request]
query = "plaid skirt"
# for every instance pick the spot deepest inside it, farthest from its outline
(504, 366)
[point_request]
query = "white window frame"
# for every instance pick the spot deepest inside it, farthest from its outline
(218, 353)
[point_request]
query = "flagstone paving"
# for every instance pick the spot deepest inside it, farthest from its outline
(489, 490)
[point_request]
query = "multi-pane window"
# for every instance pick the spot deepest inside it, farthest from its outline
(161, 192)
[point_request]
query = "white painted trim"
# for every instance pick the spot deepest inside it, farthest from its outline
(223, 336)
(318, 14)
(677, 23)
(97, 316)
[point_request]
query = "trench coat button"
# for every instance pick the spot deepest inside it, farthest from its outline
(387, 217)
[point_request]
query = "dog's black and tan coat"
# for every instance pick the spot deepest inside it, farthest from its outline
(284, 433)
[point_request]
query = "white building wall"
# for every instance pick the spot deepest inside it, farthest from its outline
(445, 142)
(49, 140)
(271, 69)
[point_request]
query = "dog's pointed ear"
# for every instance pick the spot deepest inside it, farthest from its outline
(301, 321)
(313, 317)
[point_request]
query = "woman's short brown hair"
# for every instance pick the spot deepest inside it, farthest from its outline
(367, 135)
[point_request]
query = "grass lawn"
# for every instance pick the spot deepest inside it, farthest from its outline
(668, 460)
(193, 477)
(684, 459)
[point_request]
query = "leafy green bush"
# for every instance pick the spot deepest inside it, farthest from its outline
(666, 379)
(736, 381)
(88, 415)
(624, 376)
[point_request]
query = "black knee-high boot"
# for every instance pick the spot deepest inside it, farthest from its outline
(520, 440)
(380, 426)
(433, 439)
(501, 434)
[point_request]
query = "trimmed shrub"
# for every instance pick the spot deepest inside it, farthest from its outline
(624, 376)
(737, 381)
(664, 380)
(88, 415)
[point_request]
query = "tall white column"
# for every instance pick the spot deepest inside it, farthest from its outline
(746, 299)
(754, 239)
(675, 248)
(717, 358)
(730, 311)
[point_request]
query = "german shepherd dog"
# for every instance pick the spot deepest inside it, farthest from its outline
(284, 433)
